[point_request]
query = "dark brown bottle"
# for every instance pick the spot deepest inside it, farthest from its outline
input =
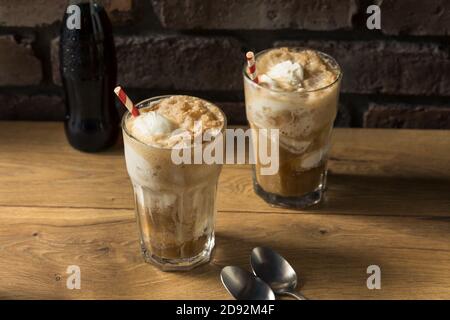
(88, 69)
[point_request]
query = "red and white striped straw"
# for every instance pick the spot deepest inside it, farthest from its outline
(251, 66)
(126, 101)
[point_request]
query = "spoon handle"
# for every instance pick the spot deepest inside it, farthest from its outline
(296, 295)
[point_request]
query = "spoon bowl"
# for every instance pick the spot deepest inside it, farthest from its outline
(243, 285)
(274, 270)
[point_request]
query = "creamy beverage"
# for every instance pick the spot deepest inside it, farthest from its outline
(297, 92)
(175, 204)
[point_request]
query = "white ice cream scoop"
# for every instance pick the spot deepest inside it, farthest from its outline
(152, 123)
(286, 72)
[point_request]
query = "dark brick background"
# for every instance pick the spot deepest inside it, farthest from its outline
(397, 77)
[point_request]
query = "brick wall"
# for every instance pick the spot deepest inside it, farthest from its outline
(397, 77)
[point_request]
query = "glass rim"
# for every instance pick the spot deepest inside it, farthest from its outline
(247, 77)
(157, 98)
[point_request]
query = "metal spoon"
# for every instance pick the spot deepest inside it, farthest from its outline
(274, 270)
(243, 285)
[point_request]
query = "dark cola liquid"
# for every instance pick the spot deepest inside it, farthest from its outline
(89, 69)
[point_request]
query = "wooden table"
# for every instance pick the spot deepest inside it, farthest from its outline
(388, 205)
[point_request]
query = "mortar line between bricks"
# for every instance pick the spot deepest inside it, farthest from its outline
(236, 96)
(280, 34)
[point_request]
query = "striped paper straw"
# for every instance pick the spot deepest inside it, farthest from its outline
(251, 66)
(126, 101)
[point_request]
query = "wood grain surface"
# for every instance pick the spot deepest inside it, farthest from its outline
(388, 204)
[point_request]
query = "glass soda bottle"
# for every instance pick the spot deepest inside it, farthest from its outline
(88, 69)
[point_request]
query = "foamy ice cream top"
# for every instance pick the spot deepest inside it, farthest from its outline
(290, 69)
(166, 122)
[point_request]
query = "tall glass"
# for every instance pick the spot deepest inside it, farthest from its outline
(175, 204)
(305, 121)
